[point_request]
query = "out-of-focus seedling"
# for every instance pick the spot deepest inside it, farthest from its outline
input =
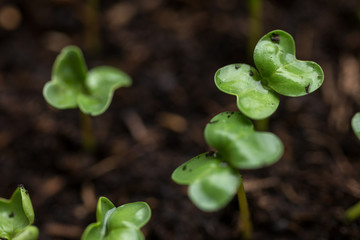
(354, 212)
(72, 86)
(278, 72)
(17, 217)
(118, 223)
(213, 178)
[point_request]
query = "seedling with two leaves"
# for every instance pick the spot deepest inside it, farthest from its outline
(73, 86)
(113, 223)
(353, 212)
(213, 178)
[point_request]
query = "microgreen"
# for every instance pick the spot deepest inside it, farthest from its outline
(213, 178)
(73, 86)
(354, 211)
(17, 217)
(118, 223)
(278, 72)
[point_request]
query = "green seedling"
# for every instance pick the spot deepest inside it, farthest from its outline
(118, 223)
(72, 86)
(17, 217)
(354, 212)
(278, 72)
(213, 177)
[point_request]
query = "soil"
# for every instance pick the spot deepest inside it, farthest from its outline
(172, 49)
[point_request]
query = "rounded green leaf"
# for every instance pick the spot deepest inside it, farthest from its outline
(244, 82)
(101, 83)
(233, 135)
(29, 233)
(16, 213)
(125, 234)
(131, 215)
(355, 123)
(274, 57)
(119, 223)
(59, 95)
(196, 167)
(214, 190)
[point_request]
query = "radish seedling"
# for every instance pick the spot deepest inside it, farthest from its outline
(354, 212)
(121, 223)
(17, 217)
(213, 178)
(72, 86)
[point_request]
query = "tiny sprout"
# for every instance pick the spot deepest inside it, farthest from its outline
(17, 217)
(278, 72)
(353, 212)
(72, 85)
(118, 223)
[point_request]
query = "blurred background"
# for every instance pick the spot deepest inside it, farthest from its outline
(172, 49)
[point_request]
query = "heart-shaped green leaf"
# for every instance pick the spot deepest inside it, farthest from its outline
(355, 123)
(122, 223)
(72, 86)
(244, 82)
(213, 183)
(233, 135)
(16, 216)
(274, 57)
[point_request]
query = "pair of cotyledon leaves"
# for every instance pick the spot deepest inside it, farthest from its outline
(16, 217)
(121, 223)
(73, 86)
(213, 177)
(278, 71)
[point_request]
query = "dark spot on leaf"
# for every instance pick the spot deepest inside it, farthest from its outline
(1, 238)
(11, 215)
(237, 66)
(184, 168)
(212, 122)
(275, 38)
(307, 88)
(251, 73)
(21, 186)
(319, 77)
(210, 154)
(232, 113)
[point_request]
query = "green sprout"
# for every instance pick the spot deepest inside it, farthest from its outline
(278, 72)
(213, 178)
(354, 212)
(17, 217)
(73, 86)
(121, 223)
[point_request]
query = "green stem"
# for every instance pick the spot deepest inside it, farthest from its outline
(92, 40)
(353, 212)
(255, 24)
(262, 124)
(88, 138)
(245, 221)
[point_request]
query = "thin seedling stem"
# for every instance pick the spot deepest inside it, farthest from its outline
(88, 138)
(244, 222)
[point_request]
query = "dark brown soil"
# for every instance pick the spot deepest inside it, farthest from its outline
(172, 50)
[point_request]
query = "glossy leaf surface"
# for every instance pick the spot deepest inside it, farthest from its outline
(122, 223)
(274, 57)
(233, 135)
(213, 183)
(244, 82)
(73, 86)
(16, 216)
(355, 123)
